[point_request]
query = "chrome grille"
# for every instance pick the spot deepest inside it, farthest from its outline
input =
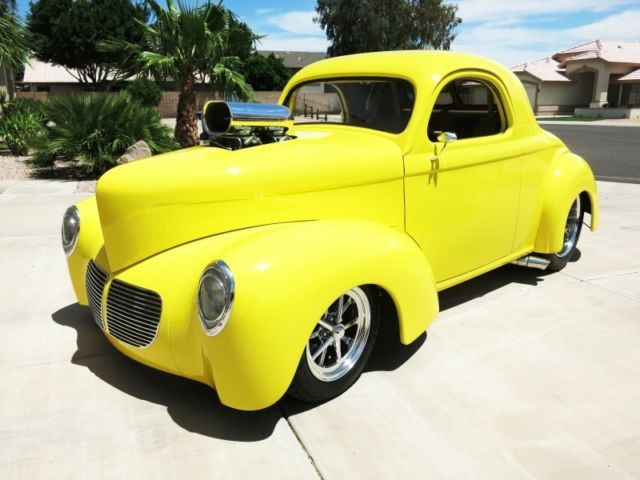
(133, 313)
(95, 280)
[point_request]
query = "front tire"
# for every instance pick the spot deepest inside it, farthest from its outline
(338, 347)
(572, 229)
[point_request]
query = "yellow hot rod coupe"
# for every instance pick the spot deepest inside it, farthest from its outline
(258, 264)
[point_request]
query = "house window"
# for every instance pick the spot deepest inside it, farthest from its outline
(634, 94)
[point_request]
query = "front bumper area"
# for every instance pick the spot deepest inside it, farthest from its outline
(132, 318)
(233, 362)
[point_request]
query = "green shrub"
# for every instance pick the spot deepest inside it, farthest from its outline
(145, 91)
(29, 106)
(96, 130)
(19, 130)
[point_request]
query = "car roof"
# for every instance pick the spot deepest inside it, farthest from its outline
(411, 64)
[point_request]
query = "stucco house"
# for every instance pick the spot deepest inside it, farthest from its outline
(599, 78)
(56, 80)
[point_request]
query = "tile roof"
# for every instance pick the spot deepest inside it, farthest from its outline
(607, 50)
(545, 69)
(632, 76)
(42, 72)
(294, 59)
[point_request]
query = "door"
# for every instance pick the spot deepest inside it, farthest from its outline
(462, 198)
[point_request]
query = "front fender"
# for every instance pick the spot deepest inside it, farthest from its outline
(286, 276)
(89, 246)
(569, 177)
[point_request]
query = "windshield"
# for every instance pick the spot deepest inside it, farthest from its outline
(379, 103)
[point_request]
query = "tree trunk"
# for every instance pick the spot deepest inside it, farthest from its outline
(186, 131)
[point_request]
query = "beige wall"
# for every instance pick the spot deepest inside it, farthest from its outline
(168, 105)
(565, 94)
(633, 113)
(558, 97)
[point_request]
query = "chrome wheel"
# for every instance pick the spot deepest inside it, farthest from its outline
(571, 229)
(340, 337)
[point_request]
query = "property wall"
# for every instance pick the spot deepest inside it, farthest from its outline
(609, 112)
(168, 105)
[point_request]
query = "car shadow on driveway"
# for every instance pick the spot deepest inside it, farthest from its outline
(192, 405)
(489, 282)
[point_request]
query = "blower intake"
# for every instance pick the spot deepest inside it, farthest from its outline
(235, 125)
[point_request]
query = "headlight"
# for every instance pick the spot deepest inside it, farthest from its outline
(215, 297)
(70, 229)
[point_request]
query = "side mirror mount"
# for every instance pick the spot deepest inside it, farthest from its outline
(447, 137)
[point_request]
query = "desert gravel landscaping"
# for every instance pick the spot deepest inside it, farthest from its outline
(14, 168)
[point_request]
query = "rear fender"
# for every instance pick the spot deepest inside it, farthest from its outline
(569, 177)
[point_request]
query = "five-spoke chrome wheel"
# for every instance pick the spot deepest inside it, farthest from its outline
(337, 342)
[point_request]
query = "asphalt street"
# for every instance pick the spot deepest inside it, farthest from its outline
(612, 152)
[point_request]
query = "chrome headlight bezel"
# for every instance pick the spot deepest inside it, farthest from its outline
(221, 277)
(70, 230)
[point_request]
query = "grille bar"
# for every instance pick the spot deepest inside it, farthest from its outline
(95, 281)
(133, 313)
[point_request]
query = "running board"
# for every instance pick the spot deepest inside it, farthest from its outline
(532, 261)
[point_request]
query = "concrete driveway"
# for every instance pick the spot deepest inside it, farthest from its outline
(524, 375)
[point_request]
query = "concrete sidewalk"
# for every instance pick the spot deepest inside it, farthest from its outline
(523, 375)
(607, 122)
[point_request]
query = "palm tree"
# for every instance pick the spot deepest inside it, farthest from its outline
(181, 43)
(14, 47)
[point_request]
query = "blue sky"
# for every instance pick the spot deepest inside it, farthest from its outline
(509, 31)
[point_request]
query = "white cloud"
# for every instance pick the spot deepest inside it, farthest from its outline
(512, 43)
(294, 43)
(623, 26)
(298, 22)
(490, 10)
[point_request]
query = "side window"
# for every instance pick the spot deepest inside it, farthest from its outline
(469, 108)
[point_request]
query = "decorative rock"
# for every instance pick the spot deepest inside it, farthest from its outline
(137, 151)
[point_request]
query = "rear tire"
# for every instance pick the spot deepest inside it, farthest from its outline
(338, 347)
(572, 229)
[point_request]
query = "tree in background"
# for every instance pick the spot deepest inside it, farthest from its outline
(9, 4)
(68, 32)
(354, 26)
(14, 47)
(266, 72)
(182, 42)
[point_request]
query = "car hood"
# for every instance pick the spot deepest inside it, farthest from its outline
(152, 205)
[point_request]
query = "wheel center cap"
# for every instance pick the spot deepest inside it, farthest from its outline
(338, 332)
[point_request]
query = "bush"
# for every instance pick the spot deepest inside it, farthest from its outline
(145, 91)
(95, 130)
(19, 130)
(28, 106)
